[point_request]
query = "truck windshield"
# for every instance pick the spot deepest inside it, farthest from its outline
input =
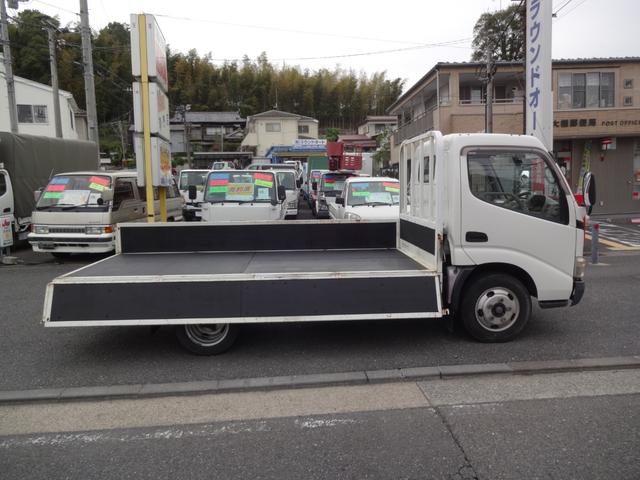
(240, 186)
(67, 191)
(374, 193)
(288, 179)
(333, 183)
(196, 178)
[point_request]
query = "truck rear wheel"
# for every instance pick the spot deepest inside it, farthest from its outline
(207, 339)
(495, 308)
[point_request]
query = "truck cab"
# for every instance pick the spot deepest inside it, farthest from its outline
(504, 220)
(367, 198)
(189, 178)
(330, 186)
(223, 165)
(291, 183)
(78, 212)
(237, 195)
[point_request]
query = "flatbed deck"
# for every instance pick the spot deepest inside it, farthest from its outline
(236, 263)
(317, 277)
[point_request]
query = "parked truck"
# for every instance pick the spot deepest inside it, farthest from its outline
(476, 240)
(27, 162)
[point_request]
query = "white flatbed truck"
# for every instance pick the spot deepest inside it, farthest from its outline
(487, 222)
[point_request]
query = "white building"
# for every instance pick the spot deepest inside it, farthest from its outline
(35, 109)
(275, 127)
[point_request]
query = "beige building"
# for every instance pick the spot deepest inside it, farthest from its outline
(274, 127)
(374, 125)
(596, 117)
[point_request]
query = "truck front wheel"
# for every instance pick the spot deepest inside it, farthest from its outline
(207, 339)
(495, 308)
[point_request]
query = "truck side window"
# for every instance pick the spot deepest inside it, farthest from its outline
(123, 191)
(3, 184)
(518, 181)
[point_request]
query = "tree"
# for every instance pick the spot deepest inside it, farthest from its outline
(332, 134)
(503, 32)
(383, 153)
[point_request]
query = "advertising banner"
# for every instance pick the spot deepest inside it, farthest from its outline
(539, 104)
(160, 160)
(6, 235)
(156, 51)
(158, 110)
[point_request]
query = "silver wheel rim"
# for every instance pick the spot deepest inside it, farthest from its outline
(207, 335)
(497, 309)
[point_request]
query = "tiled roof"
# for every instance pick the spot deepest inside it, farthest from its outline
(209, 117)
(280, 114)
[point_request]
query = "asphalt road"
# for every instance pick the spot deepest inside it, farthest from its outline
(603, 324)
(537, 428)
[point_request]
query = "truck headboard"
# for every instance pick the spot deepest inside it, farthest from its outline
(261, 236)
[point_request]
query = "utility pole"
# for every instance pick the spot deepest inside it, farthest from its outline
(89, 86)
(8, 70)
(488, 112)
(54, 79)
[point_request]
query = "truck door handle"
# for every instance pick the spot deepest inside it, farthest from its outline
(476, 237)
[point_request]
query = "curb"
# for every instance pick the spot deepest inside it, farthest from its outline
(367, 377)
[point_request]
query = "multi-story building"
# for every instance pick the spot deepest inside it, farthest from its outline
(596, 117)
(375, 125)
(274, 127)
(35, 109)
(206, 131)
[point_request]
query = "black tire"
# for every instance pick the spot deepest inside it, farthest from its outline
(207, 339)
(495, 308)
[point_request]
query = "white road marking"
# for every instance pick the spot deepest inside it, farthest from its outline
(171, 433)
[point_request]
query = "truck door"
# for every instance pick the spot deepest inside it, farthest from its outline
(515, 210)
(420, 228)
(6, 194)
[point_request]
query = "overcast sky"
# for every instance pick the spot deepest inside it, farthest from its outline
(292, 31)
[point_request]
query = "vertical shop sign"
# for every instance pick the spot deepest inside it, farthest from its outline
(539, 105)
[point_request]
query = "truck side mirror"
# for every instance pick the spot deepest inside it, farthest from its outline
(340, 201)
(589, 191)
(282, 193)
(193, 192)
(314, 185)
(107, 195)
(37, 194)
(299, 183)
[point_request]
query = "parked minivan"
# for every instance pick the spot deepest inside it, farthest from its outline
(77, 212)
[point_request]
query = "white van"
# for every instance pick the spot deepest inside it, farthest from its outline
(367, 198)
(77, 212)
(187, 179)
(291, 183)
(235, 195)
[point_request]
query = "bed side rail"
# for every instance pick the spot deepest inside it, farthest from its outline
(261, 236)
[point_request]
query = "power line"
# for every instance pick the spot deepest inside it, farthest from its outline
(289, 30)
(561, 7)
(574, 8)
(56, 7)
(451, 43)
